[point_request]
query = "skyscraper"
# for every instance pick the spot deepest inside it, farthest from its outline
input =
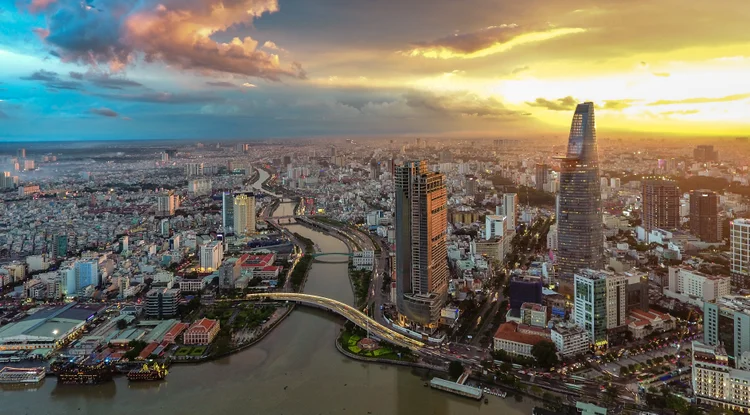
(244, 214)
(661, 204)
(704, 215)
(579, 220)
(227, 212)
(421, 254)
(167, 203)
(739, 244)
(541, 172)
(510, 209)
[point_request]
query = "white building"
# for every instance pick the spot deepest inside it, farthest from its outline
(211, 256)
(200, 187)
(364, 260)
(715, 382)
(244, 215)
(166, 204)
(552, 241)
(617, 294)
(518, 340)
(510, 209)
(696, 284)
(194, 169)
(494, 226)
(534, 314)
(570, 339)
(739, 243)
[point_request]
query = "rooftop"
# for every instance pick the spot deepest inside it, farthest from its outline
(509, 331)
(256, 261)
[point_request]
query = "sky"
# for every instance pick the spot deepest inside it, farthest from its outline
(228, 69)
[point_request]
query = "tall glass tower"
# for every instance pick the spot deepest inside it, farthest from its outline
(579, 211)
(421, 255)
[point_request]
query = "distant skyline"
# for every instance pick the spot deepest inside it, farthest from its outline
(232, 69)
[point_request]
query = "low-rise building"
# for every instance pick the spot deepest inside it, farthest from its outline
(642, 323)
(688, 282)
(364, 260)
(202, 331)
(570, 339)
(533, 314)
(514, 339)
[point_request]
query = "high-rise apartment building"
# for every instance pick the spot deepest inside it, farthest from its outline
(421, 255)
(541, 174)
(227, 212)
(704, 215)
(661, 204)
(705, 153)
(60, 246)
(193, 169)
(510, 210)
(739, 246)
(166, 204)
(211, 255)
(579, 220)
(244, 214)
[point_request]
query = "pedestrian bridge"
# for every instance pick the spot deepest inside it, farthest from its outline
(350, 313)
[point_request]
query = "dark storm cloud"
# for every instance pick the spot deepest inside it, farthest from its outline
(222, 84)
(460, 104)
(51, 80)
(163, 98)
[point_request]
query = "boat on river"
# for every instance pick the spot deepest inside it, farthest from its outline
(10, 375)
(148, 373)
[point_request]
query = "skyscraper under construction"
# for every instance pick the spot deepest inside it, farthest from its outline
(421, 254)
(579, 215)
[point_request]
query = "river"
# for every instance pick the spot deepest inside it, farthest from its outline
(296, 369)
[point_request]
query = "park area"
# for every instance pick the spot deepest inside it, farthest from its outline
(351, 342)
(188, 351)
(240, 315)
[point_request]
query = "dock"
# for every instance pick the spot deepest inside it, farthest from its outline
(458, 389)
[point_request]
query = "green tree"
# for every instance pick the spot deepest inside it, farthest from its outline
(611, 393)
(122, 324)
(545, 354)
(455, 369)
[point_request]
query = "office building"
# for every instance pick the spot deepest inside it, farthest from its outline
(739, 245)
(534, 315)
(472, 185)
(541, 174)
(82, 274)
(21, 153)
(579, 221)
(229, 273)
(364, 260)
(244, 214)
(421, 221)
(164, 227)
(727, 322)
(494, 226)
(704, 215)
(510, 210)
(661, 204)
(166, 204)
(600, 303)
(227, 212)
(717, 383)
(705, 154)
(552, 240)
(162, 302)
(211, 256)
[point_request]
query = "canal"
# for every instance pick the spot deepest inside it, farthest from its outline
(296, 369)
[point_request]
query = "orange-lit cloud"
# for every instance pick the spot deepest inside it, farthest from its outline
(485, 42)
(702, 100)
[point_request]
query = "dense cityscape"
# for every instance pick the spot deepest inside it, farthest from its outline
(296, 207)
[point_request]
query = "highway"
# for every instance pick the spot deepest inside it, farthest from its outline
(348, 312)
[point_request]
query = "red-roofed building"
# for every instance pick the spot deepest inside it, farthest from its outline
(202, 331)
(175, 331)
(642, 323)
(261, 266)
(146, 352)
(518, 340)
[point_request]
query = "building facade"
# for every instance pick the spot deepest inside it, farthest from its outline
(704, 215)
(693, 283)
(421, 255)
(244, 214)
(211, 256)
(364, 260)
(591, 305)
(715, 382)
(739, 245)
(203, 332)
(162, 302)
(579, 217)
(227, 212)
(570, 339)
(661, 204)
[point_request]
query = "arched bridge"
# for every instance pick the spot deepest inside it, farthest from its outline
(319, 254)
(350, 313)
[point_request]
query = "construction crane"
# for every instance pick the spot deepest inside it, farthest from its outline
(679, 341)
